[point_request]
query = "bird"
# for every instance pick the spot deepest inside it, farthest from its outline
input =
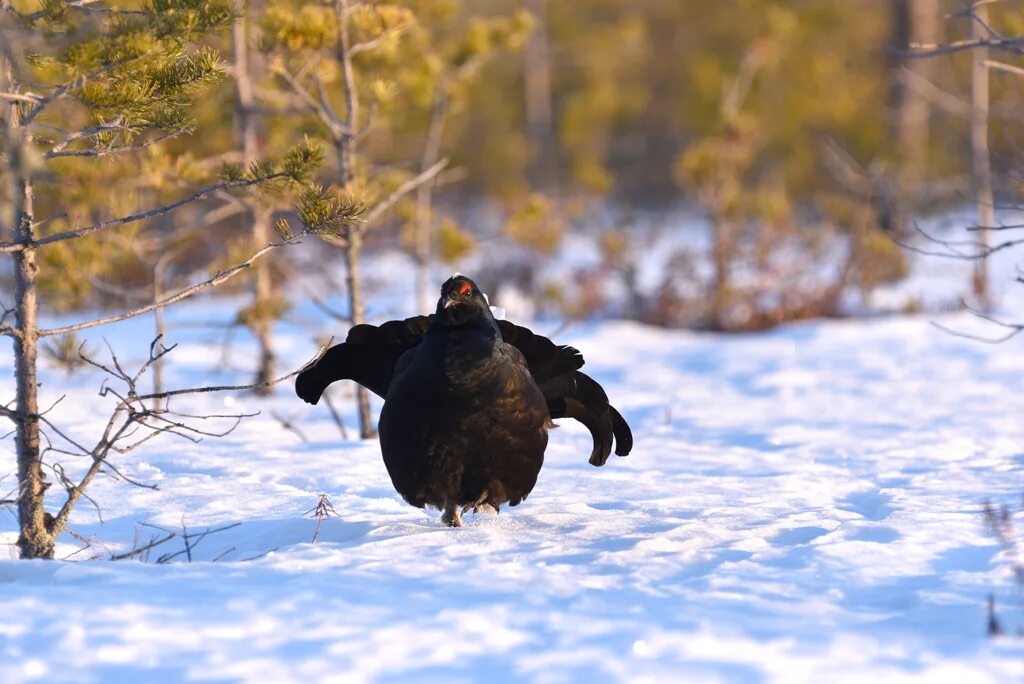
(468, 401)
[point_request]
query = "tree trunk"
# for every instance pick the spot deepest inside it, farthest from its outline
(161, 326)
(263, 327)
(261, 323)
(345, 147)
(721, 256)
(537, 96)
(981, 169)
(916, 22)
(424, 202)
(355, 302)
(35, 539)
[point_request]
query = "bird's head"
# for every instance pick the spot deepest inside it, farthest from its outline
(462, 302)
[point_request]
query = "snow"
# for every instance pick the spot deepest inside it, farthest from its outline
(800, 506)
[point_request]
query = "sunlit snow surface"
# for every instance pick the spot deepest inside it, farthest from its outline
(800, 506)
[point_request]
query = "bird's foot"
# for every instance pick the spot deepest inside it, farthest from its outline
(481, 505)
(487, 508)
(451, 516)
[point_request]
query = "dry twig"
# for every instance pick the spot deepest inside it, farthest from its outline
(324, 509)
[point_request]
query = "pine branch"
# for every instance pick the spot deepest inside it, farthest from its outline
(115, 126)
(60, 149)
(177, 297)
(63, 90)
(135, 147)
(200, 194)
(324, 213)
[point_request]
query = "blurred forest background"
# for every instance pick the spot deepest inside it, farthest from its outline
(764, 152)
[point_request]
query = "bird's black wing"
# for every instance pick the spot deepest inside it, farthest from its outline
(570, 393)
(546, 359)
(368, 355)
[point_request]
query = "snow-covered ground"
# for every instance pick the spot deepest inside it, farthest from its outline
(800, 506)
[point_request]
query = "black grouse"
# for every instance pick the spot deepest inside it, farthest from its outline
(468, 401)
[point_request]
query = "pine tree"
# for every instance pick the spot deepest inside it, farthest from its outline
(82, 84)
(266, 307)
(441, 61)
(330, 63)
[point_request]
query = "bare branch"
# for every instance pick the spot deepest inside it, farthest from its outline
(372, 44)
(978, 338)
(86, 545)
(129, 416)
(21, 97)
(289, 425)
(43, 222)
(173, 426)
(321, 107)
(371, 121)
(921, 50)
(113, 126)
(236, 388)
(324, 509)
(936, 95)
(85, 6)
(104, 151)
(138, 551)
(402, 190)
(341, 10)
(322, 305)
(192, 540)
(335, 415)
(1002, 66)
(971, 13)
(202, 193)
(69, 487)
(974, 229)
(952, 248)
(177, 297)
(225, 553)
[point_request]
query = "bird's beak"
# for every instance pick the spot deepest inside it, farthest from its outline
(449, 302)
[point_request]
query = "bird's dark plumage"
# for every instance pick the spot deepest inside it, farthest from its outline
(467, 401)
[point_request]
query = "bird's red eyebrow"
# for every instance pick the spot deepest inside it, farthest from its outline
(465, 289)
